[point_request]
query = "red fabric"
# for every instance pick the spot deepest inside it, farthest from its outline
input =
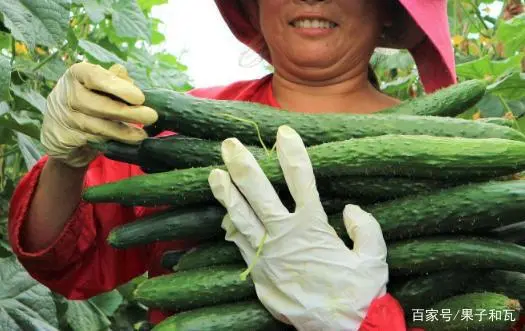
(80, 264)
(434, 58)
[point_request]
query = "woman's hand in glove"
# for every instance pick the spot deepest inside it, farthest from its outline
(305, 274)
(90, 103)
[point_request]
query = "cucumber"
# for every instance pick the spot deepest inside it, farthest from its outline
(222, 119)
(463, 209)
(195, 223)
(188, 224)
(425, 255)
(241, 316)
(421, 291)
(186, 152)
(216, 284)
(127, 153)
(483, 206)
(513, 232)
(209, 254)
(170, 258)
(117, 151)
(481, 304)
(405, 258)
(509, 283)
(195, 288)
(498, 121)
(398, 156)
(181, 152)
(450, 101)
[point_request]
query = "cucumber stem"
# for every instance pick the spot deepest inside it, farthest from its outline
(245, 273)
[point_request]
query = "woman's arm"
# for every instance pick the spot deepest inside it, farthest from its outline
(56, 198)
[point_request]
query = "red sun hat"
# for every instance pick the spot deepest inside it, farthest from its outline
(434, 56)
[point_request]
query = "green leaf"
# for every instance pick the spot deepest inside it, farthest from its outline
(129, 20)
(20, 121)
(148, 4)
(483, 67)
(108, 302)
(37, 21)
(31, 96)
(53, 70)
(511, 87)
(512, 34)
(96, 9)
(30, 148)
(100, 54)
(5, 249)
(5, 40)
(5, 77)
(139, 75)
(85, 316)
(491, 106)
(25, 304)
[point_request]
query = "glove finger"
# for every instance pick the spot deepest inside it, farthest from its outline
(297, 167)
(252, 182)
(233, 235)
(118, 131)
(240, 213)
(101, 106)
(365, 232)
(120, 71)
(94, 77)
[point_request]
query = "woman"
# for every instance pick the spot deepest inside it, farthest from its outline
(320, 51)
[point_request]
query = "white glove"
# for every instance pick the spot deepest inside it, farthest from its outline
(305, 274)
(77, 112)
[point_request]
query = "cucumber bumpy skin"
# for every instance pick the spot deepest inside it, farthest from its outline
(450, 101)
(405, 258)
(464, 209)
(220, 119)
(428, 157)
(239, 316)
(211, 285)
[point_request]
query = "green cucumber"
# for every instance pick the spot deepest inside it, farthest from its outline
(450, 101)
(185, 152)
(482, 206)
(194, 223)
(209, 254)
(419, 256)
(170, 258)
(514, 232)
(191, 289)
(481, 306)
(241, 316)
(463, 209)
(182, 152)
(498, 121)
(421, 291)
(214, 284)
(399, 156)
(405, 258)
(510, 283)
(222, 119)
(188, 224)
(127, 153)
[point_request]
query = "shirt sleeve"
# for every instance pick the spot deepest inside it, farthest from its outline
(385, 313)
(80, 263)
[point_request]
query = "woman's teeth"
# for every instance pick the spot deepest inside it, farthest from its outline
(314, 24)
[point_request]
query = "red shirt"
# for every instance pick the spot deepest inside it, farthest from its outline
(80, 264)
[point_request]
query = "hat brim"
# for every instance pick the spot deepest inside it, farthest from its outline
(424, 32)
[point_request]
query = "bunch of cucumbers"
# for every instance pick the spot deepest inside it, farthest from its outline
(447, 192)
